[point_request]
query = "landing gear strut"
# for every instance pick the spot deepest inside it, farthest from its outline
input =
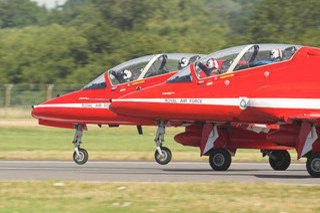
(80, 156)
(220, 159)
(279, 160)
(162, 155)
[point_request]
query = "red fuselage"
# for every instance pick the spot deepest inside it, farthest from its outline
(91, 106)
(264, 94)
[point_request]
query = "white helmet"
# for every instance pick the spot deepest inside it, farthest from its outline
(212, 63)
(127, 74)
(275, 54)
(183, 62)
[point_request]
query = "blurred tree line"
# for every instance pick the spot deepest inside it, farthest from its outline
(78, 41)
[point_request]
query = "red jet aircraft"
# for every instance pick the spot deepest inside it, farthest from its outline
(223, 94)
(90, 105)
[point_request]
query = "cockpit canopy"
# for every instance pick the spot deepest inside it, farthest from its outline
(148, 66)
(237, 58)
(98, 83)
(144, 67)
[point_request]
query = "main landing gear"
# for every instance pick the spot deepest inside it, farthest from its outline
(162, 154)
(220, 159)
(313, 164)
(279, 160)
(80, 156)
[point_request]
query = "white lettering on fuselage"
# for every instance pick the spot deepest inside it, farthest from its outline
(195, 101)
(171, 100)
(184, 100)
(97, 105)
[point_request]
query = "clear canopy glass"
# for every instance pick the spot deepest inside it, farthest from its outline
(237, 58)
(98, 83)
(148, 66)
(144, 67)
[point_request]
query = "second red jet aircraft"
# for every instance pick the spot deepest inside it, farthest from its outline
(221, 95)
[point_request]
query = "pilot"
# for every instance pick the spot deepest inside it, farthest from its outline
(211, 67)
(276, 55)
(126, 74)
(183, 62)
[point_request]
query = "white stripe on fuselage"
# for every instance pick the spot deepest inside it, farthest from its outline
(79, 105)
(285, 103)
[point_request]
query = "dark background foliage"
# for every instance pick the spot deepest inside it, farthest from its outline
(78, 41)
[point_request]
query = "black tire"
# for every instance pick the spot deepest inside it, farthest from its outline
(82, 158)
(165, 159)
(313, 164)
(281, 160)
(220, 159)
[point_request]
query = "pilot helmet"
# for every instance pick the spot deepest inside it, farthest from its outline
(212, 63)
(276, 54)
(127, 74)
(183, 62)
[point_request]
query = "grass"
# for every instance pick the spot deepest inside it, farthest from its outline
(38, 142)
(96, 139)
(123, 143)
(15, 113)
(53, 196)
(26, 141)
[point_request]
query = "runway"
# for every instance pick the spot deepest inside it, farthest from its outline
(144, 171)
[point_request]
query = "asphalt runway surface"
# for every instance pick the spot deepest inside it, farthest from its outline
(144, 171)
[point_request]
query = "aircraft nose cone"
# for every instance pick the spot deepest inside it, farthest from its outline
(133, 108)
(37, 112)
(128, 108)
(33, 113)
(120, 108)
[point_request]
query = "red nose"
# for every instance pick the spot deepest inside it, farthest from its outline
(56, 109)
(124, 108)
(44, 113)
(138, 109)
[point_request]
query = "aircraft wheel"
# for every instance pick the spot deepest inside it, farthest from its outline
(280, 160)
(220, 159)
(313, 164)
(82, 158)
(165, 158)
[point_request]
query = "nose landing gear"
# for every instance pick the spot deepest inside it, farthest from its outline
(162, 154)
(80, 156)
